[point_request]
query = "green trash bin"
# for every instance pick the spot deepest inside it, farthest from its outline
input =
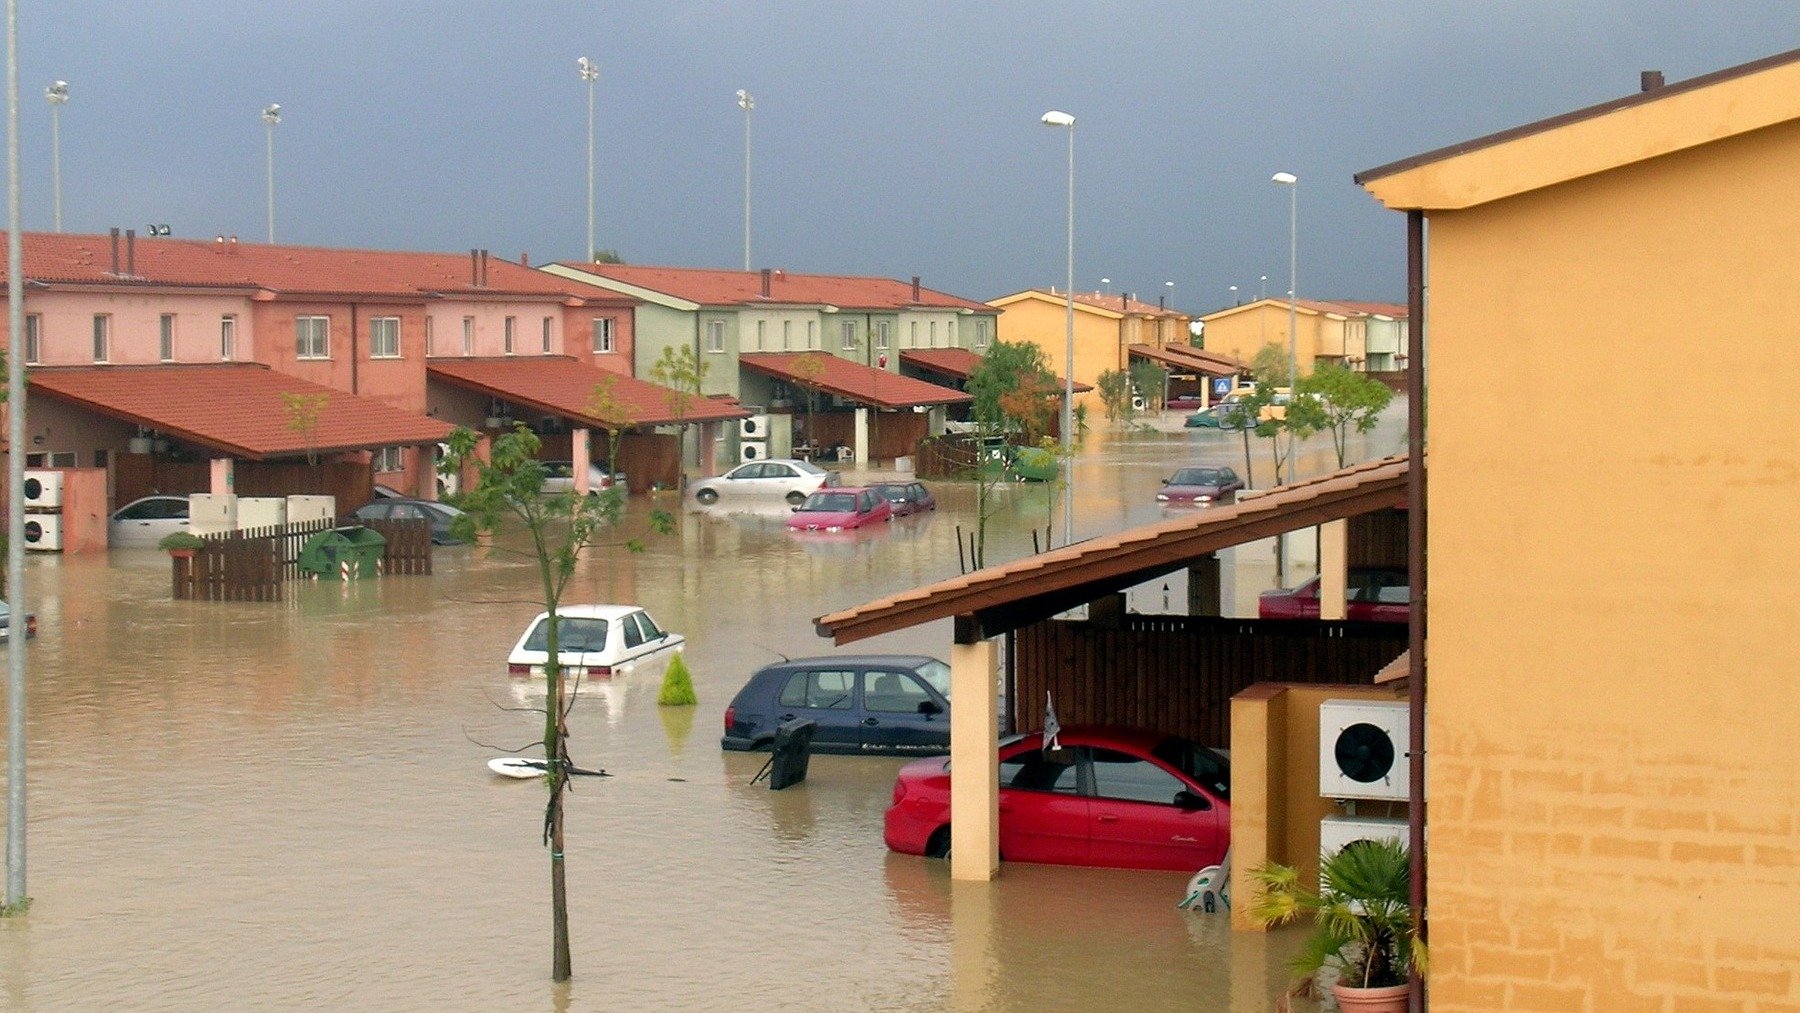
(343, 554)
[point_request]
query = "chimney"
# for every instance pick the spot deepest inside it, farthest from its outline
(524, 260)
(915, 288)
(1162, 303)
(131, 253)
(1650, 80)
(1125, 301)
(765, 288)
(474, 268)
(484, 265)
(115, 251)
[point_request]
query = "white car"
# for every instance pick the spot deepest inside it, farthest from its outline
(781, 476)
(592, 641)
(559, 476)
(141, 523)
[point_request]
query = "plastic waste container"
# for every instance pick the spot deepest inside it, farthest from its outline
(793, 748)
(343, 554)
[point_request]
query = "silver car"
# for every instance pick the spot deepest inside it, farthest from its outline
(141, 523)
(786, 477)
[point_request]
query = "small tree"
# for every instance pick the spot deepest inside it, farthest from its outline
(605, 403)
(1007, 387)
(302, 411)
(683, 373)
(608, 257)
(1270, 366)
(1339, 400)
(1115, 394)
(509, 487)
(808, 368)
(677, 685)
(1150, 381)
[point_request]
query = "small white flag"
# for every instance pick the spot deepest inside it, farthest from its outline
(1052, 728)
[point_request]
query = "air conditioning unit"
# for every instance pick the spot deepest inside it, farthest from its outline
(43, 532)
(1362, 749)
(1138, 404)
(261, 512)
(212, 512)
(756, 427)
(753, 450)
(301, 509)
(43, 490)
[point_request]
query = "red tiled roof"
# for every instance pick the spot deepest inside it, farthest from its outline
(853, 381)
(744, 288)
(55, 258)
(235, 408)
(1119, 303)
(558, 385)
(1192, 360)
(960, 362)
(1386, 309)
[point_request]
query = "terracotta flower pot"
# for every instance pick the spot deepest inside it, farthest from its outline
(183, 553)
(1388, 999)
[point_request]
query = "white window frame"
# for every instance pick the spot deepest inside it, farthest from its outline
(715, 335)
(934, 343)
(912, 340)
(378, 342)
(312, 346)
(468, 335)
(430, 336)
(603, 335)
(549, 333)
(389, 460)
(849, 327)
(950, 338)
(102, 337)
(812, 335)
(787, 335)
(511, 329)
(165, 337)
(227, 337)
(34, 338)
(762, 335)
(981, 334)
(881, 334)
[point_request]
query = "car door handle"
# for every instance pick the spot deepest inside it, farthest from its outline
(1107, 819)
(871, 721)
(786, 717)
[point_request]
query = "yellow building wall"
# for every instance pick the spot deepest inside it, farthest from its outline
(1614, 713)
(1045, 324)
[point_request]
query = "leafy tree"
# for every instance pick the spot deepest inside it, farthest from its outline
(1011, 390)
(1270, 366)
(605, 403)
(1151, 380)
(608, 257)
(1115, 394)
(683, 373)
(302, 411)
(1338, 400)
(509, 488)
(808, 368)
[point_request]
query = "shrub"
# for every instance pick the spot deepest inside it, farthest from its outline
(677, 685)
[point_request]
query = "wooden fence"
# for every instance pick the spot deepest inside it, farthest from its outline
(1178, 673)
(253, 564)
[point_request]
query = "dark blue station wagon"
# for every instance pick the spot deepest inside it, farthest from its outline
(876, 704)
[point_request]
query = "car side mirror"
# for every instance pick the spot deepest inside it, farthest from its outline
(930, 707)
(1165, 481)
(794, 509)
(1188, 801)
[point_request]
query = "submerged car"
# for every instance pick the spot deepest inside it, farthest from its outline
(141, 523)
(906, 498)
(6, 623)
(559, 476)
(840, 510)
(1219, 416)
(787, 477)
(1200, 486)
(441, 515)
(882, 703)
(1113, 797)
(1373, 594)
(592, 641)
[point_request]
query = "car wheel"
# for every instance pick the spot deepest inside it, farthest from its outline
(938, 846)
(796, 497)
(707, 496)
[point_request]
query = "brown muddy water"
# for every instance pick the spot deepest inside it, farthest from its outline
(238, 806)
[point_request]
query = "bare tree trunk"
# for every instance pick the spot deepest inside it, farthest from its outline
(556, 751)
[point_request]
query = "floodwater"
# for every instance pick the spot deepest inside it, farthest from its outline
(267, 806)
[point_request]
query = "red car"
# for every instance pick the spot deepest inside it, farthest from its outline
(840, 510)
(1200, 486)
(1113, 797)
(1375, 594)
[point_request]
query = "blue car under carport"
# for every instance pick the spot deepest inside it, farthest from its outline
(876, 704)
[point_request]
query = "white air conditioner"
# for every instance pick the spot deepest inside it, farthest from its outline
(753, 450)
(1362, 749)
(261, 512)
(43, 490)
(212, 512)
(301, 509)
(43, 532)
(1138, 404)
(756, 427)
(1339, 832)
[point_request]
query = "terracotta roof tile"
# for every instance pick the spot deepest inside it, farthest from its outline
(235, 408)
(960, 362)
(744, 288)
(1194, 360)
(558, 385)
(853, 380)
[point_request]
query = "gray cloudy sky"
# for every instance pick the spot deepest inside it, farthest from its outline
(890, 138)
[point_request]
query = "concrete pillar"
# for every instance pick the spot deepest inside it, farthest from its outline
(975, 927)
(862, 438)
(1204, 586)
(223, 476)
(425, 460)
(974, 761)
(580, 456)
(935, 417)
(710, 433)
(1334, 568)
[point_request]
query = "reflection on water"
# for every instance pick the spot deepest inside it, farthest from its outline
(282, 805)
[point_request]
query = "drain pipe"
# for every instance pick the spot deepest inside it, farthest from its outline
(1415, 563)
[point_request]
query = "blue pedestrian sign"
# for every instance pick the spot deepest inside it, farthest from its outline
(1221, 386)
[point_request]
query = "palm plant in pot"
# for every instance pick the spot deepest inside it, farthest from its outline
(1362, 919)
(181, 544)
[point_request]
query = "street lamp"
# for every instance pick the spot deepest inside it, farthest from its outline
(1106, 285)
(1262, 288)
(1292, 182)
(746, 102)
(271, 115)
(1171, 287)
(590, 72)
(56, 95)
(1053, 118)
(1234, 298)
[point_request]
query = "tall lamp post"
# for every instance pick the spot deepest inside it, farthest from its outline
(271, 115)
(57, 94)
(1292, 182)
(590, 72)
(1053, 118)
(15, 480)
(746, 102)
(1234, 298)
(1171, 287)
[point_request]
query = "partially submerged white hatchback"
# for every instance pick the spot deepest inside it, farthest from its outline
(592, 641)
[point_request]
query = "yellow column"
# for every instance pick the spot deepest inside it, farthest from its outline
(1334, 568)
(974, 762)
(579, 457)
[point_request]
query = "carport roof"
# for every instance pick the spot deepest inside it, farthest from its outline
(1005, 597)
(1191, 360)
(852, 381)
(235, 408)
(960, 362)
(559, 385)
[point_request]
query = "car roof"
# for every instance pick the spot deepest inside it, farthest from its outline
(592, 611)
(844, 488)
(895, 660)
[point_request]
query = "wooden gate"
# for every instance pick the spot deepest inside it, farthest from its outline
(253, 564)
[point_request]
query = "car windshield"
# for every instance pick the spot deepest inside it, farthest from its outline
(1196, 476)
(1206, 767)
(572, 634)
(808, 468)
(892, 493)
(830, 502)
(937, 674)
